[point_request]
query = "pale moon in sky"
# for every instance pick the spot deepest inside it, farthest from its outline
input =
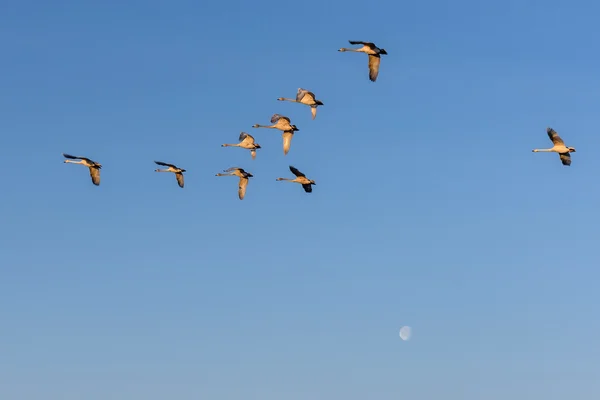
(405, 332)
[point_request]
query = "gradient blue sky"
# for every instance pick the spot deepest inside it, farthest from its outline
(430, 209)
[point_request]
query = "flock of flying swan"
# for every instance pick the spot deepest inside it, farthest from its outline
(284, 124)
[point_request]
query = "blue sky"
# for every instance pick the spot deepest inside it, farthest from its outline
(430, 209)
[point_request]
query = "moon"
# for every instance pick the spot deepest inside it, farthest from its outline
(405, 332)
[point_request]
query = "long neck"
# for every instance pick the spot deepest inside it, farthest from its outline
(286, 99)
(230, 145)
(354, 50)
(283, 179)
(264, 126)
(162, 170)
(74, 162)
(538, 150)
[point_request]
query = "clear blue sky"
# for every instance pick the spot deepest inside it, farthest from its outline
(430, 209)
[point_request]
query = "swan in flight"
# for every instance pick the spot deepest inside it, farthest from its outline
(92, 165)
(172, 168)
(243, 175)
(559, 147)
(246, 142)
(301, 179)
(305, 97)
(374, 53)
(279, 122)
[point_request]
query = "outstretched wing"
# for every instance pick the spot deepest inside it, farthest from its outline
(557, 140)
(164, 164)
(313, 111)
(307, 187)
(364, 43)
(78, 158)
(296, 172)
(232, 169)
(303, 93)
(247, 138)
(374, 61)
(305, 96)
(95, 174)
(300, 94)
(179, 177)
(565, 158)
(277, 117)
(287, 141)
(242, 188)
